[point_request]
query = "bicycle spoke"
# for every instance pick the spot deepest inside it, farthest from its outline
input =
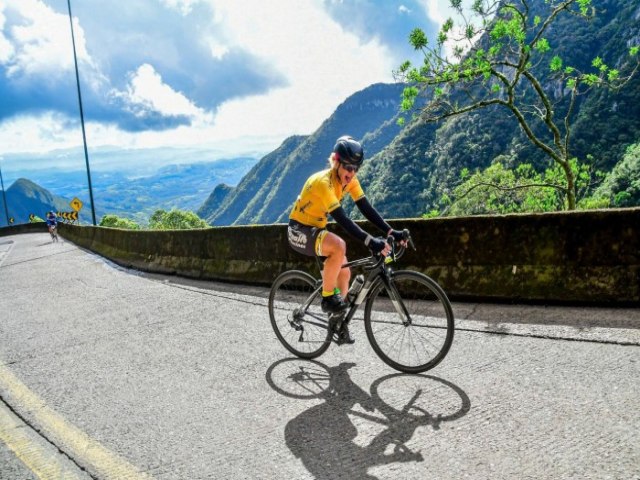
(296, 317)
(409, 323)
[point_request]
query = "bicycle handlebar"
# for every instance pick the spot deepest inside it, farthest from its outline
(376, 259)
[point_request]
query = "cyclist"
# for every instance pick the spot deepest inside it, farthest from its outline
(52, 221)
(320, 197)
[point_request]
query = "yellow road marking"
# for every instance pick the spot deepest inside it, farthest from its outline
(45, 463)
(66, 436)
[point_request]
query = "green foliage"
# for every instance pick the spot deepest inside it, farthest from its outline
(113, 221)
(35, 219)
(622, 185)
(499, 190)
(175, 220)
(542, 45)
(431, 214)
(556, 64)
(418, 39)
(502, 70)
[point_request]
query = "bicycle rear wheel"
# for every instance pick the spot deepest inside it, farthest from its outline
(296, 316)
(409, 325)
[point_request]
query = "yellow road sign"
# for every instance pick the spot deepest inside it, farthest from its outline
(76, 204)
(68, 216)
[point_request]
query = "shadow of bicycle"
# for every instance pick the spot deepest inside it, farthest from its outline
(323, 436)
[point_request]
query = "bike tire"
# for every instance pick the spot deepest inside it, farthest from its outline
(427, 338)
(303, 331)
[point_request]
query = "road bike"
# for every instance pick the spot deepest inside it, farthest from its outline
(407, 315)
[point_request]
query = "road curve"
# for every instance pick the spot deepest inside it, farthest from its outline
(108, 373)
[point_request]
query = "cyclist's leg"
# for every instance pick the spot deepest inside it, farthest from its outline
(335, 249)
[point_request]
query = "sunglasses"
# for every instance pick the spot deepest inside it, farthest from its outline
(349, 168)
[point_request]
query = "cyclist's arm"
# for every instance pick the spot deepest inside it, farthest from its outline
(355, 231)
(349, 225)
(372, 215)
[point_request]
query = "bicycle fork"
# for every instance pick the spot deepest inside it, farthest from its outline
(396, 300)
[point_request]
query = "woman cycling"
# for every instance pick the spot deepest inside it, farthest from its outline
(320, 197)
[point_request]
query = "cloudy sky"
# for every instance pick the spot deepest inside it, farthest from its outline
(227, 76)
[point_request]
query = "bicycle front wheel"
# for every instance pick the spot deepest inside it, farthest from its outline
(296, 316)
(410, 322)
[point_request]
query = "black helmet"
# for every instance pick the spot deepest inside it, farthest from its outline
(349, 151)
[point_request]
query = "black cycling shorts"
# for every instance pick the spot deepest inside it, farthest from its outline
(305, 239)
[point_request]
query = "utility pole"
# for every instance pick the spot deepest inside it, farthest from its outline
(84, 136)
(4, 197)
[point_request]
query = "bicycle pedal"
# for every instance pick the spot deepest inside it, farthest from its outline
(342, 336)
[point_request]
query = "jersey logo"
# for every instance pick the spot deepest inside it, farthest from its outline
(303, 208)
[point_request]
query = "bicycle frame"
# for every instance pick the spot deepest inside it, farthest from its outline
(379, 271)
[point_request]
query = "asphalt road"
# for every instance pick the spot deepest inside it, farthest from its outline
(108, 373)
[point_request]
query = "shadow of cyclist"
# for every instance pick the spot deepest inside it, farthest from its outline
(323, 436)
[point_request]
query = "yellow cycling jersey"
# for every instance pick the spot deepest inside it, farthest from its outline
(321, 194)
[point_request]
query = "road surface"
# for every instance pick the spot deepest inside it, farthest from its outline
(109, 373)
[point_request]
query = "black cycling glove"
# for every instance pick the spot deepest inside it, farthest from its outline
(398, 235)
(376, 245)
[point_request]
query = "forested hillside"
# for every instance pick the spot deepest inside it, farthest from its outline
(425, 160)
(408, 171)
(267, 192)
(243, 199)
(25, 198)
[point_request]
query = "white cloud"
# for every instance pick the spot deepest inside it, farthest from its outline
(146, 91)
(183, 6)
(6, 48)
(218, 50)
(438, 10)
(403, 9)
(322, 64)
(38, 133)
(42, 44)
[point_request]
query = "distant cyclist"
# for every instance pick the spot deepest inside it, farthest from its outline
(52, 223)
(320, 197)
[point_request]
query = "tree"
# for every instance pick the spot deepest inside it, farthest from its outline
(499, 57)
(113, 221)
(622, 185)
(499, 190)
(175, 220)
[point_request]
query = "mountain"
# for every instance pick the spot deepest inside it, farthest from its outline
(408, 170)
(25, 198)
(183, 186)
(244, 198)
(409, 177)
(213, 202)
(266, 193)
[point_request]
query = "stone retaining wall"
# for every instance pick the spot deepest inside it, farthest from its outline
(576, 257)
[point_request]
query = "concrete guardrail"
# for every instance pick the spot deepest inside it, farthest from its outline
(589, 257)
